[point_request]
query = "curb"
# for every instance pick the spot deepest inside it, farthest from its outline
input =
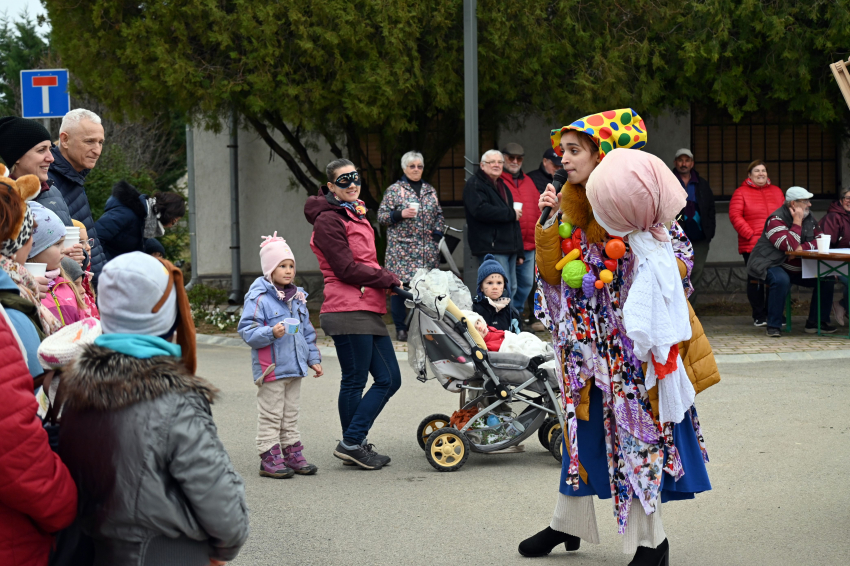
(326, 352)
(781, 357)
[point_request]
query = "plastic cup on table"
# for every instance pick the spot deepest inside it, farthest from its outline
(823, 243)
(292, 325)
(36, 269)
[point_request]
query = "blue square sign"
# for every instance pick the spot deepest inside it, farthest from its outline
(44, 93)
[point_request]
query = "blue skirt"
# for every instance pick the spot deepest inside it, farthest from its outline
(594, 458)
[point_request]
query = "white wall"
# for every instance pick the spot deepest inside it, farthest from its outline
(267, 202)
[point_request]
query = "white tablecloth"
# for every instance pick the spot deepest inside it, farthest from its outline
(810, 266)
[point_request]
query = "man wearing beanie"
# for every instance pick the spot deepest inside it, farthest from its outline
(132, 393)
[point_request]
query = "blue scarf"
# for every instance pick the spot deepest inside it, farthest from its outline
(138, 345)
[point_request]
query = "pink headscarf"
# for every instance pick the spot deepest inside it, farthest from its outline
(631, 190)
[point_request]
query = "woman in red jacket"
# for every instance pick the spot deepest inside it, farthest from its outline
(355, 298)
(37, 495)
(751, 204)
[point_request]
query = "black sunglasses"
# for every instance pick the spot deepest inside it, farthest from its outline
(347, 179)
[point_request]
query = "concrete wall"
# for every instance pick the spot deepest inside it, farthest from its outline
(268, 201)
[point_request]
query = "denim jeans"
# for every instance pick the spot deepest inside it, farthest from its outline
(756, 291)
(399, 312)
(508, 263)
(359, 355)
(524, 281)
(779, 282)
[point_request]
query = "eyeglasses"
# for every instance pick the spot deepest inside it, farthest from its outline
(513, 157)
(90, 242)
(347, 179)
(420, 166)
(492, 162)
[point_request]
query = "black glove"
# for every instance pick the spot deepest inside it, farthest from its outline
(436, 235)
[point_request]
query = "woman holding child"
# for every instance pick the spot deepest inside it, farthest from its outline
(617, 436)
(355, 299)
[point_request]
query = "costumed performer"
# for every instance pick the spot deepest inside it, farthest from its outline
(615, 444)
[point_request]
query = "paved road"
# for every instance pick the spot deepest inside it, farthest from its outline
(777, 434)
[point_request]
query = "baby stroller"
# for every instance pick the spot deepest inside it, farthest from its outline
(504, 398)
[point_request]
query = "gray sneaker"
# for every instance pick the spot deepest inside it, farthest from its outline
(773, 332)
(360, 456)
(370, 448)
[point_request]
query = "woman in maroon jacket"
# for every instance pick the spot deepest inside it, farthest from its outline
(752, 203)
(836, 223)
(355, 299)
(37, 495)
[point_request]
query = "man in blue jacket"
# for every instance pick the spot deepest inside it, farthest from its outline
(79, 148)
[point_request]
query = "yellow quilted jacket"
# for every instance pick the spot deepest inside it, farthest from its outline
(696, 353)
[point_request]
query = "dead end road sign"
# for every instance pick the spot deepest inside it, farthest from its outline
(44, 93)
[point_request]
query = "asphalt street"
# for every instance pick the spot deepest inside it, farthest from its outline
(777, 435)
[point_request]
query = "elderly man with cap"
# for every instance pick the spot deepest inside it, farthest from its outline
(791, 227)
(697, 219)
(524, 192)
(545, 174)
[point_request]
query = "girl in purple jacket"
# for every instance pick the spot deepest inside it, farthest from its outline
(276, 324)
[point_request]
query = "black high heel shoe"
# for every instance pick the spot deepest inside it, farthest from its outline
(659, 556)
(543, 542)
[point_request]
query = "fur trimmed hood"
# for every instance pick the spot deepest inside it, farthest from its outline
(106, 380)
(127, 195)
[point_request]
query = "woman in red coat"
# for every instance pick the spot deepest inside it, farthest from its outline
(751, 204)
(37, 495)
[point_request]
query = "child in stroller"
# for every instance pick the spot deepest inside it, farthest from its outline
(493, 300)
(512, 395)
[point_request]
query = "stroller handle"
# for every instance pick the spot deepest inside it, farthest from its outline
(402, 293)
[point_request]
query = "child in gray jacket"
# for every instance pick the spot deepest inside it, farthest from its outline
(276, 324)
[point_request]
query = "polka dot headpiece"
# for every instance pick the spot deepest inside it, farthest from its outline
(611, 129)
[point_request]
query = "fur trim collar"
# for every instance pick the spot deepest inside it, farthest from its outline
(577, 210)
(130, 197)
(105, 380)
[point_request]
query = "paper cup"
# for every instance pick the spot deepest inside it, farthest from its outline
(72, 236)
(823, 243)
(414, 206)
(71, 242)
(36, 269)
(292, 325)
(517, 206)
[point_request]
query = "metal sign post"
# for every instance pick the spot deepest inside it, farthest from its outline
(44, 93)
(470, 105)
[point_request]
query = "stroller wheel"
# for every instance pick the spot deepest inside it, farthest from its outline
(447, 449)
(557, 446)
(428, 425)
(545, 433)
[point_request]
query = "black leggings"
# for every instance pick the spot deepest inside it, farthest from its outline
(757, 293)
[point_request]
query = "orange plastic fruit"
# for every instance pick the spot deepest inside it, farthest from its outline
(615, 249)
(598, 284)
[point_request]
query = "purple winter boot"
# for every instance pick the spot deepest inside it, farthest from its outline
(272, 464)
(293, 458)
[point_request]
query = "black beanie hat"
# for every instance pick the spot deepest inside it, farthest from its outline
(152, 245)
(18, 136)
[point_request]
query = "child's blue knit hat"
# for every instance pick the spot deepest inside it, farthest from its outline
(490, 266)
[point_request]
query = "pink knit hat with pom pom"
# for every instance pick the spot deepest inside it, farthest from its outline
(273, 250)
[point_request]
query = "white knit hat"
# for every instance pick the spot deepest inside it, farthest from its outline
(130, 286)
(65, 345)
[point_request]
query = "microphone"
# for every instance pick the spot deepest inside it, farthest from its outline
(557, 182)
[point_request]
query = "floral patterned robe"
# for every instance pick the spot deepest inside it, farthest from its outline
(590, 339)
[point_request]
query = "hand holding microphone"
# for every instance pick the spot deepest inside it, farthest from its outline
(549, 198)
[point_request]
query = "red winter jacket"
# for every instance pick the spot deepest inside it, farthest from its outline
(748, 211)
(37, 495)
(836, 223)
(525, 191)
(345, 247)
